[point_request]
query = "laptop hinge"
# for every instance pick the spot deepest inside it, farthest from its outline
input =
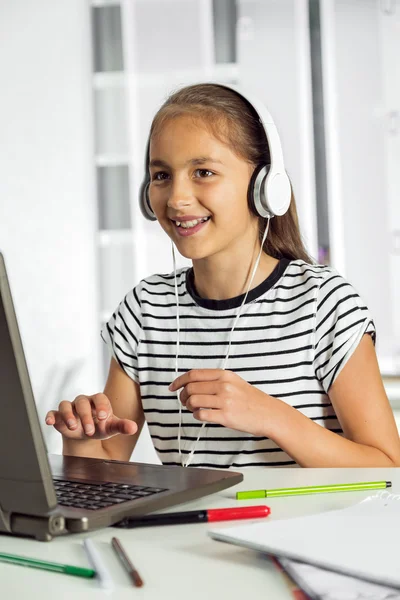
(41, 528)
(5, 521)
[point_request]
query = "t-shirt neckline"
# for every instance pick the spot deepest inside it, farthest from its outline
(235, 302)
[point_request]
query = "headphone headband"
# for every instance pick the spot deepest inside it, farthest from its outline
(269, 190)
(266, 120)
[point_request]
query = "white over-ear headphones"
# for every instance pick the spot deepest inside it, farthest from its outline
(269, 191)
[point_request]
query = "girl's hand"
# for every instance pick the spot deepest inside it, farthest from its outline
(89, 417)
(219, 396)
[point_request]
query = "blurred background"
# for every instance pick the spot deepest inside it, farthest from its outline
(81, 81)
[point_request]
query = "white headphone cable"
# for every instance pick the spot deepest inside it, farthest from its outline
(191, 454)
(177, 350)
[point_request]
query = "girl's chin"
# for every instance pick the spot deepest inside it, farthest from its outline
(191, 255)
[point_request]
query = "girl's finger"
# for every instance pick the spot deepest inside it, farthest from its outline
(209, 416)
(101, 405)
(50, 418)
(123, 426)
(197, 375)
(83, 409)
(66, 412)
(200, 387)
(202, 401)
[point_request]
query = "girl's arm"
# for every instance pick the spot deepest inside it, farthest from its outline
(357, 395)
(361, 405)
(124, 395)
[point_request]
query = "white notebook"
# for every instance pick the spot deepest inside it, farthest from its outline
(362, 540)
(321, 584)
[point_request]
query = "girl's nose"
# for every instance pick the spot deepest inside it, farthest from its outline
(179, 197)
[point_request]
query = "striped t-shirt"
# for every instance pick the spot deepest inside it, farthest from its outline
(296, 331)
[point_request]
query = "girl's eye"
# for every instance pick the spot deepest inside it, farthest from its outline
(203, 173)
(160, 176)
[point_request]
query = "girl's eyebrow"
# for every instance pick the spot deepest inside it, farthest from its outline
(156, 162)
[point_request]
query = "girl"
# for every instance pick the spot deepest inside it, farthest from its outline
(303, 385)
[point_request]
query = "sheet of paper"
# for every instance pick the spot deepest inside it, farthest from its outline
(321, 584)
(357, 541)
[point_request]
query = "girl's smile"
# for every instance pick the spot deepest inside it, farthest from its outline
(189, 225)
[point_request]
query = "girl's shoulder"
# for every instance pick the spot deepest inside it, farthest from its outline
(300, 271)
(301, 266)
(159, 286)
(334, 294)
(164, 279)
(324, 278)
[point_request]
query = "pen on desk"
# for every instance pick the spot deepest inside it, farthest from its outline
(24, 561)
(196, 516)
(124, 558)
(314, 489)
(102, 573)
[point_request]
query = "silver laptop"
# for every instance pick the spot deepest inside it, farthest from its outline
(45, 496)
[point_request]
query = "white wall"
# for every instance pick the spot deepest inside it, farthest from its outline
(357, 179)
(273, 53)
(390, 51)
(47, 211)
(47, 196)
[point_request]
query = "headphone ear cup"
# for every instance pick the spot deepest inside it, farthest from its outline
(269, 193)
(277, 192)
(255, 193)
(144, 201)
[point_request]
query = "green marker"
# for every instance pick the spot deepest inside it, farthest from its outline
(314, 489)
(47, 566)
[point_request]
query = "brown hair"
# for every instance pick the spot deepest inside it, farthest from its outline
(232, 120)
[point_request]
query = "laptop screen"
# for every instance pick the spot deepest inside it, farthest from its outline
(25, 477)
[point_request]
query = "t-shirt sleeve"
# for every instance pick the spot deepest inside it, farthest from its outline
(122, 333)
(342, 319)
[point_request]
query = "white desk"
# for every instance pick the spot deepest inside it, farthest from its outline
(182, 562)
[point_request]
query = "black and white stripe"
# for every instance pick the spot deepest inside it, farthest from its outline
(296, 332)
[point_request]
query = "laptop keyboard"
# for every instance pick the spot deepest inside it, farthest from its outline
(93, 496)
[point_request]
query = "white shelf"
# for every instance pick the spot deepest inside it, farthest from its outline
(105, 2)
(115, 237)
(226, 72)
(222, 72)
(219, 72)
(389, 365)
(392, 389)
(109, 79)
(111, 160)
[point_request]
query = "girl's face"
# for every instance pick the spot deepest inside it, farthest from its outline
(198, 191)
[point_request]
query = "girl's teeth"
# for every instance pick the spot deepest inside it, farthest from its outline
(189, 224)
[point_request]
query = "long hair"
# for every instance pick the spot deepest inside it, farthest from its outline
(232, 120)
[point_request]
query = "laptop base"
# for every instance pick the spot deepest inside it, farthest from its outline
(181, 485)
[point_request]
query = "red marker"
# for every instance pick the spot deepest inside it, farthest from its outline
(197, 516)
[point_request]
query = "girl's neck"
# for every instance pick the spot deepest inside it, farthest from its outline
(220, 279)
